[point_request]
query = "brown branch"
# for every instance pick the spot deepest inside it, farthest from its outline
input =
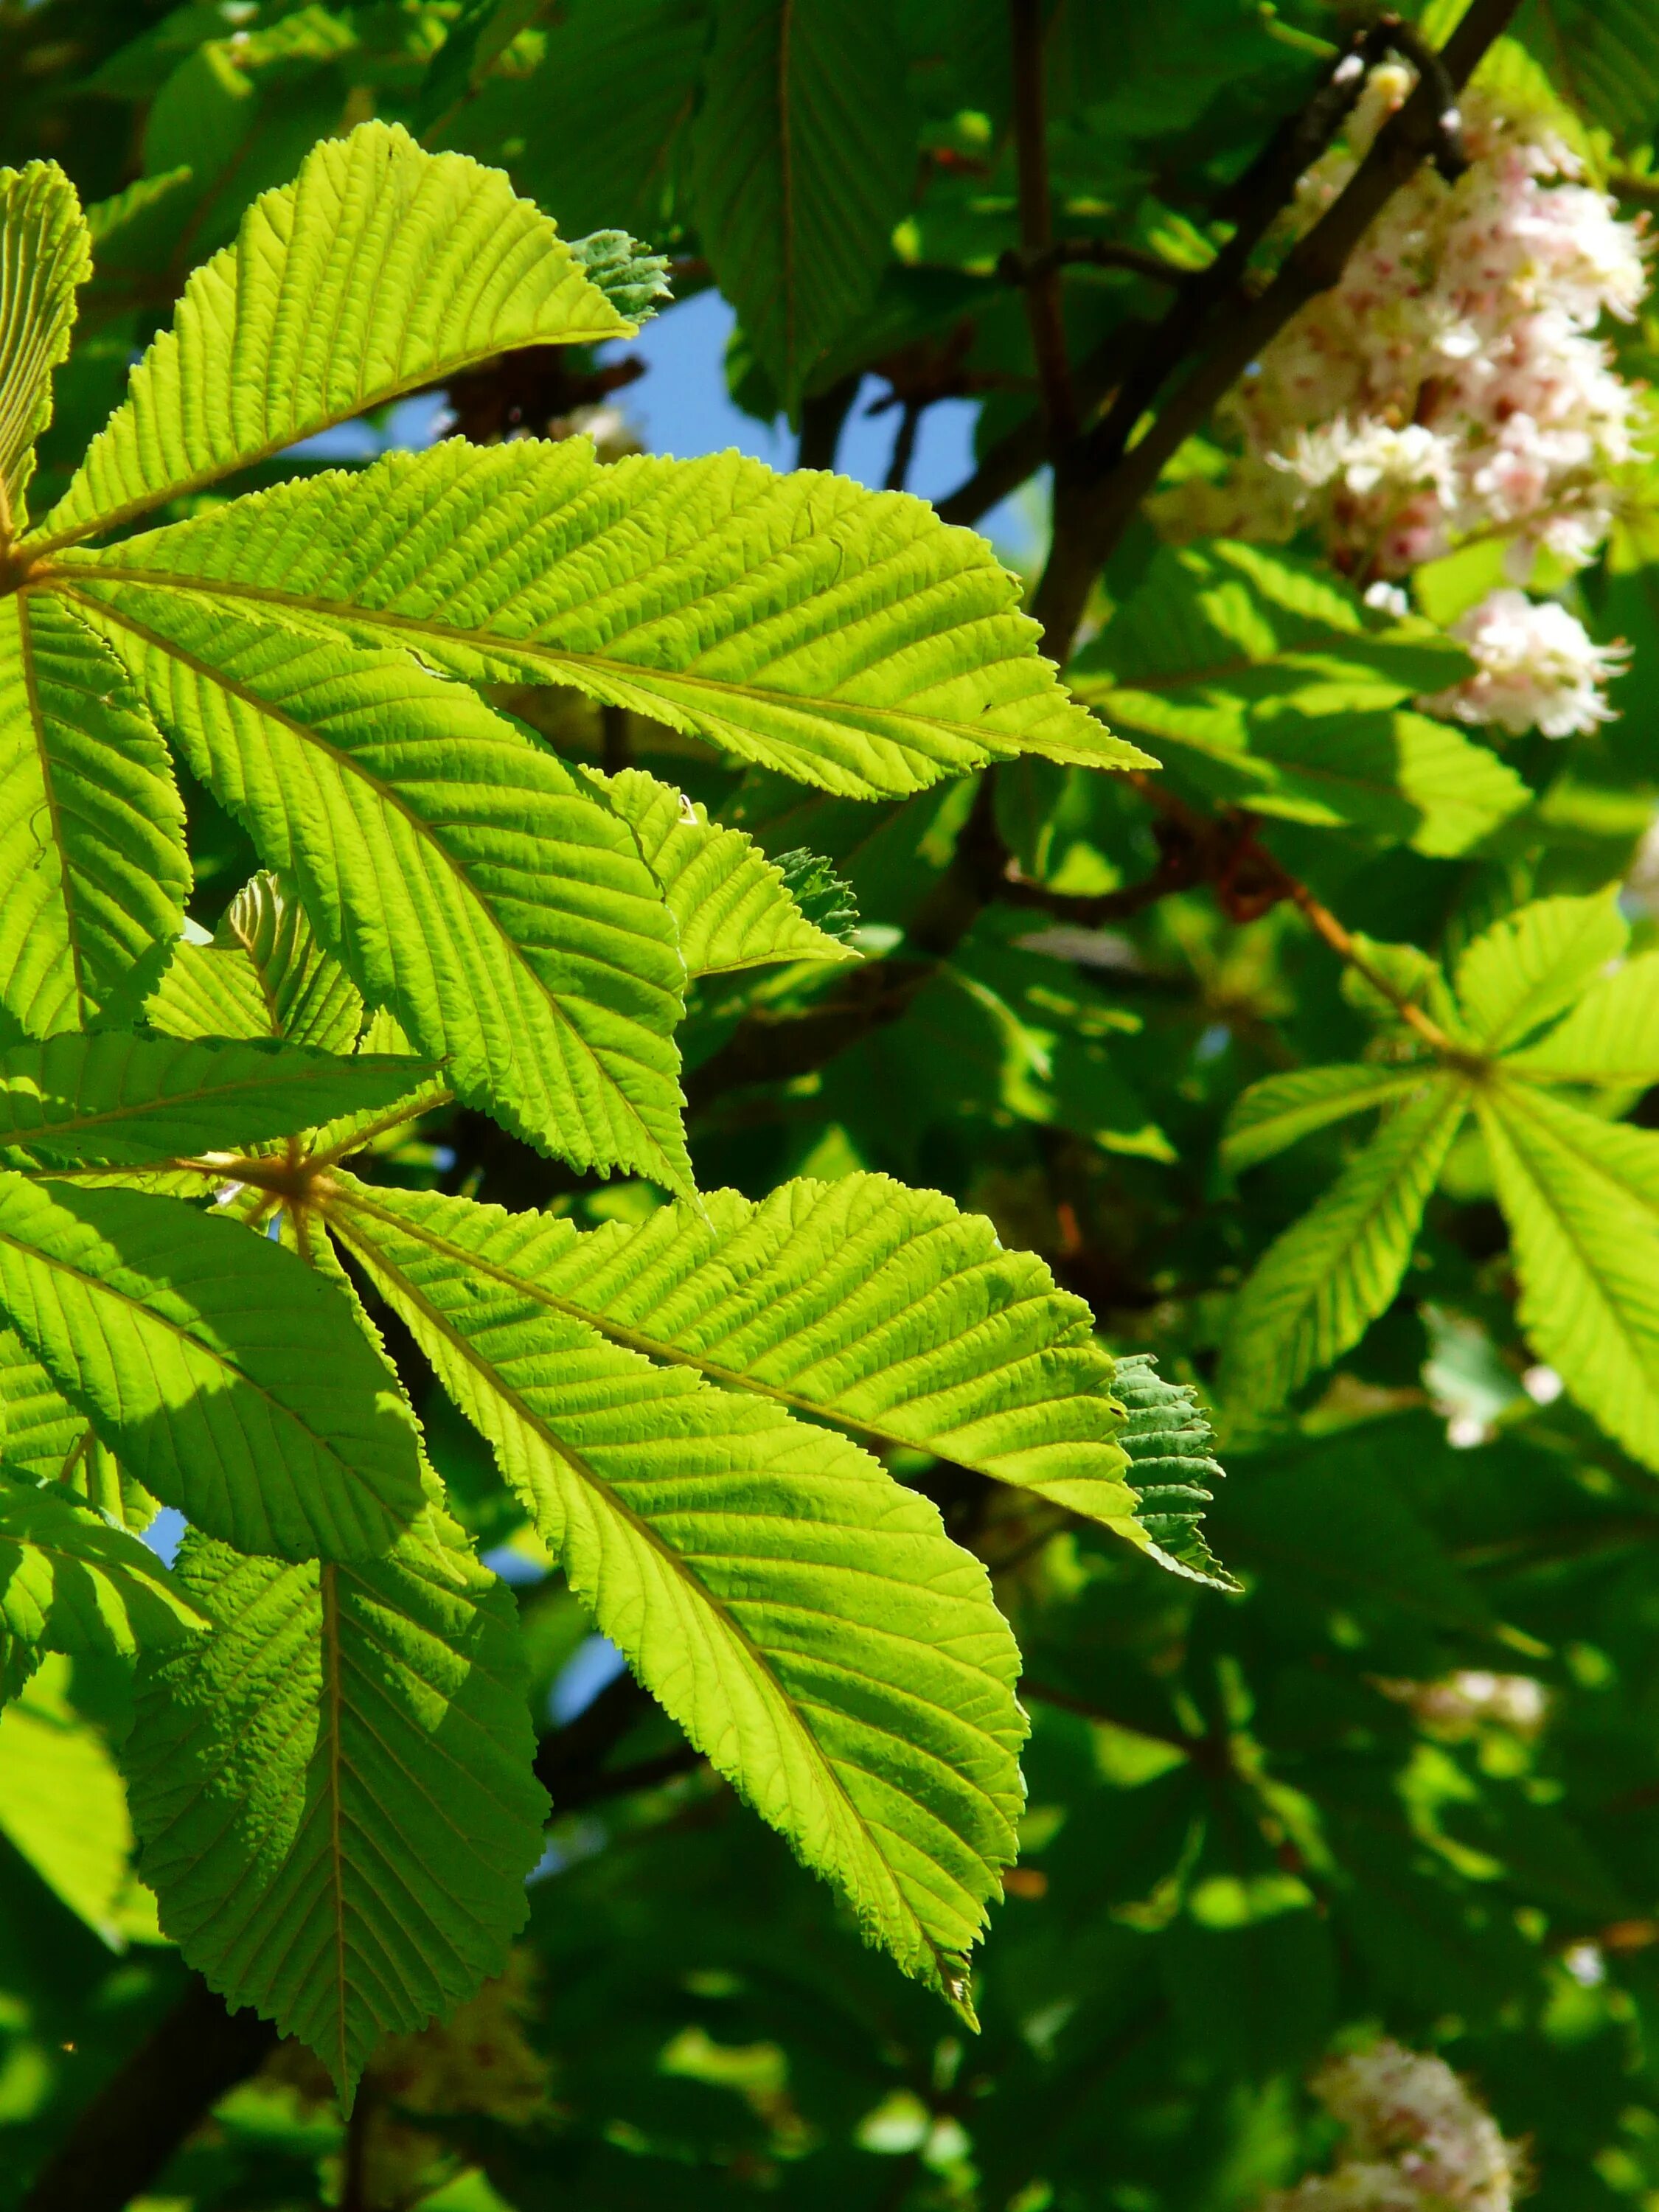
(124, 2138)
(1043, 303)
(1022, 451)
(904, 445)
(822, 415)
(616, 739)
(1100, 493)
(1019, 266)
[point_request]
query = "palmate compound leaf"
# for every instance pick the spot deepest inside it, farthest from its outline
(1580, 1196)
(93, 868)
(128, 1101)
(860, 1302)
(45, 254)
(845, 637)
(459, 873)
(1581, 1193)
(228, 1378)
(334, 1791)
(1330, 1275)
(731, 904)
(68, 1582)
(804, 1619)
(379, 268)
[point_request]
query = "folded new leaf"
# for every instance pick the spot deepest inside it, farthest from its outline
(732, 905)
(263, 975)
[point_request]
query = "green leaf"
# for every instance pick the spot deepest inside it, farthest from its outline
(62, 1806)
(802, 160)
(1582, 1199)
(45, 254)
(1606, 53)
(804, 1619)
(1168, 1438)
(93, 869)
(585, 154)
(40, 1430)
(264, 975)
(1397, 775)
(70, 1583)
(880, 1308)
(223, 1373)
(379, 268)
(332, 1790)
(1323, 1282)
(1611, 1036)
(130, 1101)
(457, 871)
(731, 904)
(1283, 1108)
(1535, 963)
(1218, 626)
(1271, 685)
(844, 637)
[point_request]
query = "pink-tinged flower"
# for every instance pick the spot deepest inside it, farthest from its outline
(1417, 2140)
(1536, 668)
(1451, 383)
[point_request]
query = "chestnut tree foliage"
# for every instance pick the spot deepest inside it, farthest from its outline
(662, 1117)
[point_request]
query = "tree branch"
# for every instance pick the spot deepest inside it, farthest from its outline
(1099, 494)
(125, 2135)
(1042, 305)
(1019, 266)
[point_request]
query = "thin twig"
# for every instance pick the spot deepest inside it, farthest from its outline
(904, 445)
(1017, 266)
(616, 739)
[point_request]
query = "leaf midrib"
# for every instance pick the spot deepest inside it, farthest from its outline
(358, 1197)
(587, 1473)
(38, 547)
(347, 614)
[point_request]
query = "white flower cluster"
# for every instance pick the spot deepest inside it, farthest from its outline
(1417, 2140)
(1536, 668)
(1456, 1705)
(1451, 386)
